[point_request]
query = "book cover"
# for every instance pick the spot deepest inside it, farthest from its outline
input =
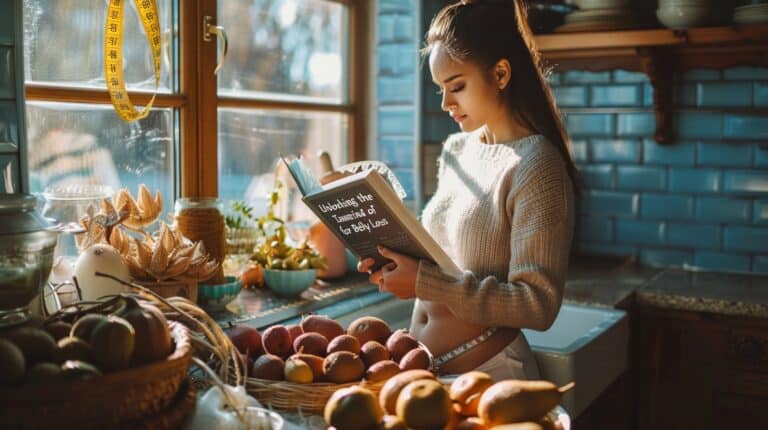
(364, 211)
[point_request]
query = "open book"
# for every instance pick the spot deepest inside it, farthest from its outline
(363, 211)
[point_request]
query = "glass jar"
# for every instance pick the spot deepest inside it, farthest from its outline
(26, 256)
(201, 219)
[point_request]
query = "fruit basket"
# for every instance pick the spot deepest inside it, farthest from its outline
(106, 401)
(309, 398)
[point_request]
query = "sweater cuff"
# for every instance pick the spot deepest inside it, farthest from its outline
(430, 281)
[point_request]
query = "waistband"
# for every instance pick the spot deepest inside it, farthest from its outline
(436, 362)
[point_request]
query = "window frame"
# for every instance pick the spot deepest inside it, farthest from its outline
(197, 101)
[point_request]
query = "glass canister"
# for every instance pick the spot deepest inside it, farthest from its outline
(26, 256)
(201, 219)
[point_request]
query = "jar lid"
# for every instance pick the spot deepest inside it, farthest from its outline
(18, 214)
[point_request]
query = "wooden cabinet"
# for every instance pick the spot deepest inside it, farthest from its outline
(659, 53)
(695, 370)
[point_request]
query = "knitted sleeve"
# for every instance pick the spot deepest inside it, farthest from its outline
(539, 207)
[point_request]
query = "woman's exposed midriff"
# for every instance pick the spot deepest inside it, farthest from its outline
(434, 325)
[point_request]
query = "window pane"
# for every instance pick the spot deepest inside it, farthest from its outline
(63, 43)
(280, 48)
(250, 143)
(76, 144)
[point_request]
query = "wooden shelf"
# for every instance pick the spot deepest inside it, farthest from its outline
(660, 53)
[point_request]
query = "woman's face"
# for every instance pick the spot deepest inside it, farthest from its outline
(470, 95)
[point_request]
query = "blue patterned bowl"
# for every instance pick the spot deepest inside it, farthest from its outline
(216, 296)
(289, 282)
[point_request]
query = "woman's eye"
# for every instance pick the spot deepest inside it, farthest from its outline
(457, 89)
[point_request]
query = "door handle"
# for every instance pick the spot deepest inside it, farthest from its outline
(209, 30)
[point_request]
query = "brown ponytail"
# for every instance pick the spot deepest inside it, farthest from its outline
(478, 31)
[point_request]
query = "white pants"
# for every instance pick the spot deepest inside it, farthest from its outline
(516, 361)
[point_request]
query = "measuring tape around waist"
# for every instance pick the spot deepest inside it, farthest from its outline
(113, 55)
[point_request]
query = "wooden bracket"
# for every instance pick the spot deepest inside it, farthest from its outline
(659, 64)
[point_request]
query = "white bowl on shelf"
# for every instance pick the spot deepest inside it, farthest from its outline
(679, 17)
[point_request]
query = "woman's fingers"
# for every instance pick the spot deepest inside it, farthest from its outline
(365, 264)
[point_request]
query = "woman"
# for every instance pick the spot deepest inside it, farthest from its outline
(503, 209)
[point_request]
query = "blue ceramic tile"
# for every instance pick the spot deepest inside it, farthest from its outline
(647, 95)
(702, 75)
(725, 94)
(749, 239)
(641, 178)
(569, 96)
(724, 154)
(397, 152)
(589, 124)
(694, 180)
(7, 84)
(395, 90)
(685, 94)
(597, 176)
(616, 95)
(723, 209)
(721, 261)
(402, 6)
(665, 257)
(676, 154)
(634, 232)
(9, 163)
(610, 203)
(386, 28)
(407, 59)
(760, 264)
(746, 73)
(396, 121)
(404, 28)
(761, 94)
(585, 77)
(615, 150)
(597, 248)
(387, 59)
(699, 125)
(761, 155)
(666, 206)
(761, 212)
(746, 127)
(580, 151)
(598, 229)
(697, 236)
(7, 29)
(751, 181)
(636, 124)
(626, 76)
(9, 135)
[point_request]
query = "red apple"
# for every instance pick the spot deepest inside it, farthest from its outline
(246, 339)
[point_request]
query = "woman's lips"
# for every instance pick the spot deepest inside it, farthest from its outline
(459, 118)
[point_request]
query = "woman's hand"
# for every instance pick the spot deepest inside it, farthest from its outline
(397, 277)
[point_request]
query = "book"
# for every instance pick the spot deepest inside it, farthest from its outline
(364, 211)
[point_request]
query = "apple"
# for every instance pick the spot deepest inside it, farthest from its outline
(246, 339)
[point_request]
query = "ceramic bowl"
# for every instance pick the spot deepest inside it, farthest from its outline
(216, 296)
(289, 282)
(679, 17)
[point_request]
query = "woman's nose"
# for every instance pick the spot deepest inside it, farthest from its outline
(447, 102)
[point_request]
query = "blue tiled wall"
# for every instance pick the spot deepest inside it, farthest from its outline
(397, 38)
(701, 201)
(11, 98)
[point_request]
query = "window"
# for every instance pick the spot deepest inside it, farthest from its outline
(291, 83)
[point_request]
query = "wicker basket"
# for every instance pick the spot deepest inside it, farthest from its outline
(102, 402)
(310, 398)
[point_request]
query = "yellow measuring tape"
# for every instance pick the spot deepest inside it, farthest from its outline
(113, 55)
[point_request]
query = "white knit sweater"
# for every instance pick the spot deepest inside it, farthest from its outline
(504, 213)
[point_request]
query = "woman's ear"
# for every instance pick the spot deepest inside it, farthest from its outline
(502, 73)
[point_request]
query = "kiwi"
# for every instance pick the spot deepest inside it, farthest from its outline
(42, 373)
(58, 329)
(11, 362)
(73, 348)
(78, 370)
(321, 324)
(113, 341)
(344, 342)
(342, 366)
(399, 343)
(84, 326)
(311, 343)
(513, 401)
(36, 344)
(382, 370)
(417, 358)
(373, 352)
(370, 328)
(268, 366)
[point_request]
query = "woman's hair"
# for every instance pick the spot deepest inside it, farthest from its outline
(485, 31)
